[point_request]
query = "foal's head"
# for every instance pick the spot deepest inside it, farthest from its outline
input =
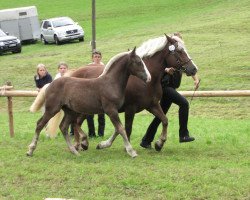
(178, 57)
(137, 67)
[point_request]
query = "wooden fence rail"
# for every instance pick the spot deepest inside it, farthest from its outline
(6, 91)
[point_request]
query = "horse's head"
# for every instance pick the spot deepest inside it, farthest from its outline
(178, 57)
(137, 67)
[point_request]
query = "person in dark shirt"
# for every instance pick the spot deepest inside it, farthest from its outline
(42, 76)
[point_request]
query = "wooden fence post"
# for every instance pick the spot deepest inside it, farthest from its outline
(10, 113)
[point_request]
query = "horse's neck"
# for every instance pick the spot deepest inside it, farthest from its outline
(118, 74)
(156, 66)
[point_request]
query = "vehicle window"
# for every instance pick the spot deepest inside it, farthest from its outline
(62, 22)
(49, 24)
(45, 25)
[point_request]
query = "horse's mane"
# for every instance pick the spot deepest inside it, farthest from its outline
(150, 47)
(111, 61)
(179, 40)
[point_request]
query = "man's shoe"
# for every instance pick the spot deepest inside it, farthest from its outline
(100, 134)
(146, 145)
(186, 139)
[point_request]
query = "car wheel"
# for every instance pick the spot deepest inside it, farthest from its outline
(17, 51)
(81, 39)
(43, 40)
(57, 40)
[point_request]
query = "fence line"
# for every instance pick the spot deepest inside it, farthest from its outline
(6, 91)
(217, 93)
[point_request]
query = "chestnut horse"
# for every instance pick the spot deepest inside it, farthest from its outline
(157, 54)
(104, 94)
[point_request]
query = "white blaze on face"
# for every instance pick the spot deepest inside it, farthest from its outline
(182, 46)
(147, 72)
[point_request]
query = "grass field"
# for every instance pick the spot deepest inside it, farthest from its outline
(215, 166)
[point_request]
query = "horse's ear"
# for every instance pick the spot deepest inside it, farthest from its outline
(133, 52)
(171, 40)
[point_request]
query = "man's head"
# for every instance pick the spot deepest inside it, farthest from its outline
(96, 57)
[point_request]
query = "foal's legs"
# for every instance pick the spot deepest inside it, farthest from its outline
(40, 125)
(79, 134)
(64, 126)
(82, 137)
(129, 118)
(108, 142)
(157, 111)
(119, 129)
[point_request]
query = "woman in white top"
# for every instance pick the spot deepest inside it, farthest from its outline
(62, 69)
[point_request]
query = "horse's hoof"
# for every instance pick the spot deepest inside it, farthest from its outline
(75, 153)
(29, 154)
(84, 147)
(134, 155)
(98, 146)
(77, 147)
(158, 147)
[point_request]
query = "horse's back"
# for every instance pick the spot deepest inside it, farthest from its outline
(137, 95)
(89, 71)
(79, 94)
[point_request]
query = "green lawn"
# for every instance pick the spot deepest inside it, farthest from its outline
(215, 166)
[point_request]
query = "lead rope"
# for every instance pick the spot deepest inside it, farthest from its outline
(194, 92)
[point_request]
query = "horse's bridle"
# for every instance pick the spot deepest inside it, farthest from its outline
(180, 65)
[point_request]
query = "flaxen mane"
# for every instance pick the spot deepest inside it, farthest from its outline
(150, 47)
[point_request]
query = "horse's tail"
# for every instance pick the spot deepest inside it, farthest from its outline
(53, 124)
(40, 99)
